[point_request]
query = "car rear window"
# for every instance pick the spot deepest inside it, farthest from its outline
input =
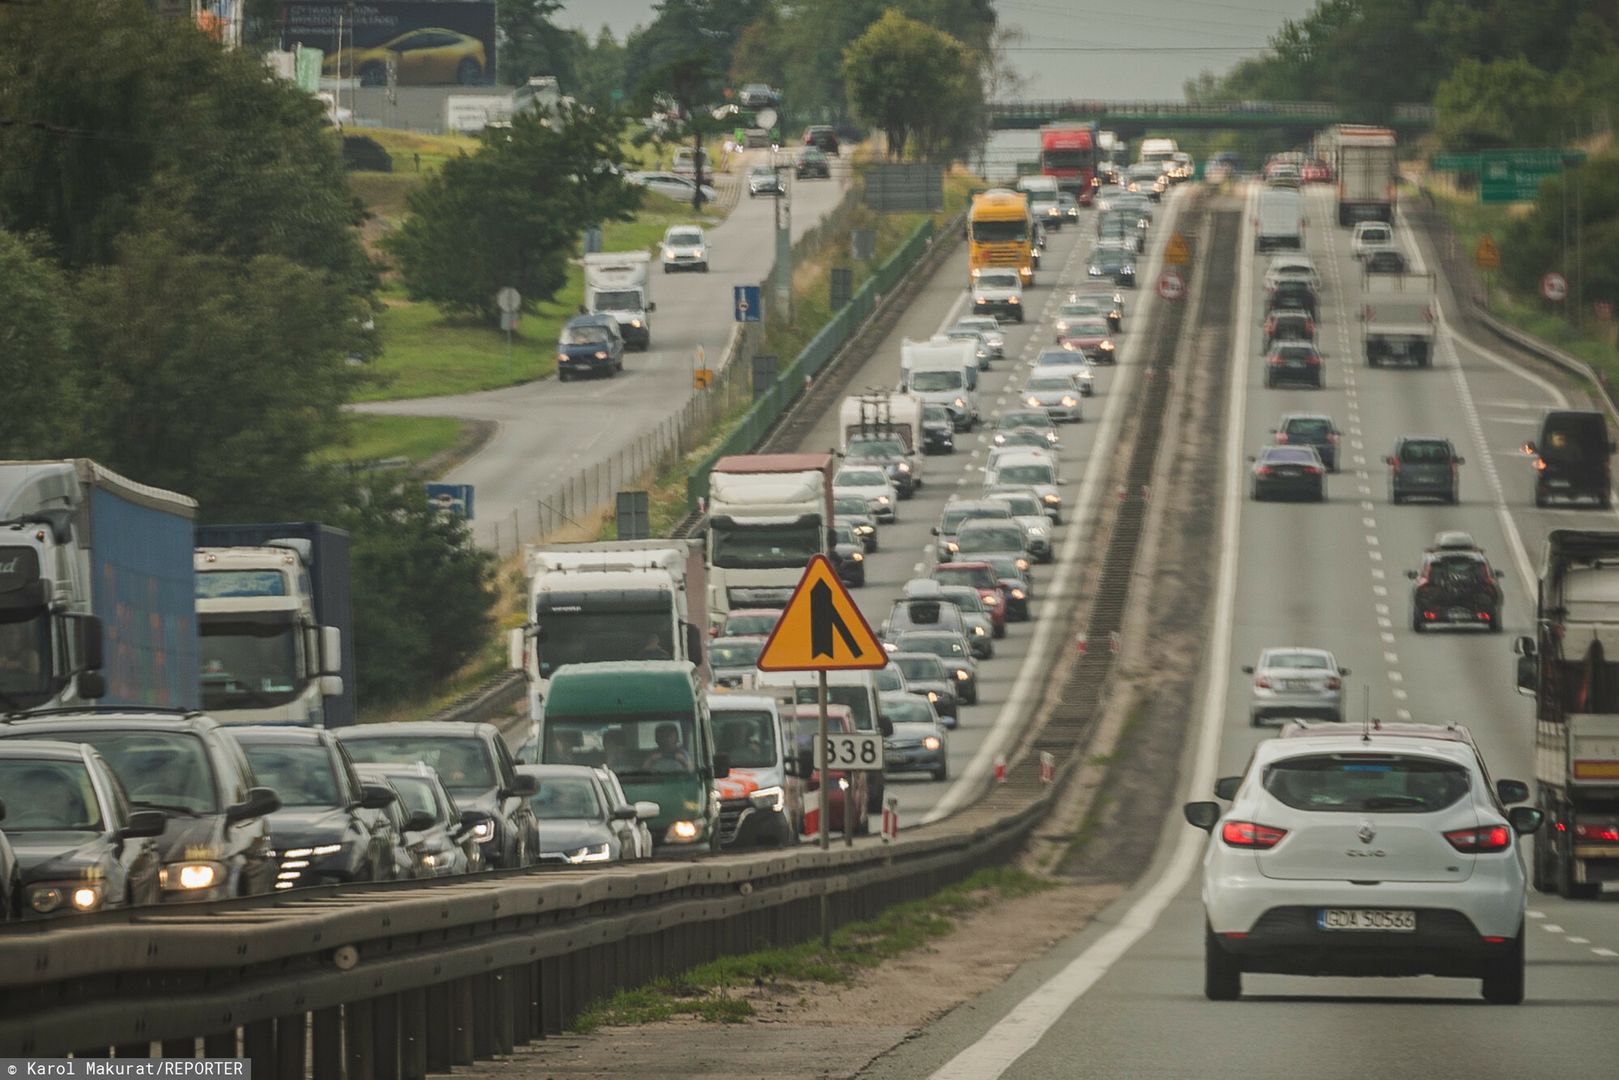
(1312, 426)
(1363, 783)
(1303, 661)
(1424, 452)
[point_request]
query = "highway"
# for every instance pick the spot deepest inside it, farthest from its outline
(1124, 997)
(1011, 683)
(549, 431)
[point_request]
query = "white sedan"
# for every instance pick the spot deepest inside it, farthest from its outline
(669, 185)
(685, 247)
(868, 482)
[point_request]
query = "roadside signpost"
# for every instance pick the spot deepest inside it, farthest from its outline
(1176, 253)
(746, 303)
(1515, 175)
(1554, 287)
(1170, 285)
(1488, 256)
(509, 301)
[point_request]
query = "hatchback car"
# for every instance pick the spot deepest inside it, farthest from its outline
(849, 555)
(575, 820)
(671, 185)
(750, 623)
(989, 328)
(1115, 264)
(1061, 397)
(957, 512)
(1384, 260)
(1424, 467)
(1310, 429)
(919, 742)
(590, 345)
(980, 576)
(1369, 236)
(1288, 472)
(1295, 362)
(1288, 324)
(887, 451)
(1108, 305)
(438, 834)
(985, 537)
(1382, 854)
(823, 137)
(951, 647)
(869, 482)
(812, 162)
(685, 247)
(856, 513)
(938, 429)
(927, 677)
(998, 293)
(921, 611)
(764, 180)
(1293, 296)
(1088, 334)
(1292, 267)
(1292, 682)
(1026, 511)
(1025, 420)
(1455, 585)
(732, 661)
(1034, 469)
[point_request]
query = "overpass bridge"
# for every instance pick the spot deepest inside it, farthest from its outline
(1132, 119)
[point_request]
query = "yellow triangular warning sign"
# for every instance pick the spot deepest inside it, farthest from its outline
(822, 628)
(1176, 252)
(1488, 256)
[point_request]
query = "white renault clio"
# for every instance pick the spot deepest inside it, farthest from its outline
(1377, 852)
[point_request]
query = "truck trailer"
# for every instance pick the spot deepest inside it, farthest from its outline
(768, 515)
(618, 283)
(1364, 162)
(1068, 153)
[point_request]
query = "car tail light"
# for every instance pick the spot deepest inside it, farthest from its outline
(1333, 682)
(1311, 470)
(1332, 437)
(1262, 682)
(1276, 360)
(1394, 466)
(1484, 616)
(1540, 464)
(1605, 834)
(1281, 436)
(1313, 360)
(1263, 470)
(1485, 838)
(1247, 834)
(1309, 327)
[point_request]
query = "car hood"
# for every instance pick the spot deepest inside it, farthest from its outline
(570, 834)
(308, 826)
(914, 729)
(938, 686)
(67, 855)
(191, 837)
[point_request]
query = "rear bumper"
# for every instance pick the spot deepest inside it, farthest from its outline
(1302, 488)
(912, 759)
(1289, 941)
(1283, 913)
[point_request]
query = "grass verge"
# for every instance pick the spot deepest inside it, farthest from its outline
(414, 438)
(706, 992)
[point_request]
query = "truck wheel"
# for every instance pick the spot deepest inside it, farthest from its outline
(1539, 872)
(1540, 500)
(1222, 972)
(1503, 978)
(1417, 625)
(1567, 887)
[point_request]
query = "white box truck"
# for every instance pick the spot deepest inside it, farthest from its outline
(1364, 161)
(618, 283)
(1397, 319)
(884, 429)
(768, 514)
(942, 372)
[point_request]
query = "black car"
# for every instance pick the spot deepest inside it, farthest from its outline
(887, 451)
(1385, 261)
(823, 137)
(332, 828)
(1423, 467)
(1297, 362)
(1114, 263)
(938, 430)
(855, 512)
(1311, 429)
(10, 875)
(76, 843)
(927, 677)
(1293, 295)
(1288, 324)
(475, 766)
(849, 555)
(812, 163)
(1283, 472)
(1455, 586)
(1015, 584)
(590, 345)
(437, 834)
(216, 842)
(1572, 457)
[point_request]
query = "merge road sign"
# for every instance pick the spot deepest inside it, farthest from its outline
(822, 628)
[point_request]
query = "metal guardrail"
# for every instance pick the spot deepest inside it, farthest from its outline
(1551, 354)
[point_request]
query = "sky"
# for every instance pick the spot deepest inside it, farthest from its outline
(1140, 50)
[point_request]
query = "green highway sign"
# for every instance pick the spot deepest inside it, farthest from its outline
(1515, 175)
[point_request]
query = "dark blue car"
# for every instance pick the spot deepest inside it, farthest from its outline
(591, 345)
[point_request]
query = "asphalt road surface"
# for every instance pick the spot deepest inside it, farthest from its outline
(1124, 998)
(1010, 684)
(549, 431)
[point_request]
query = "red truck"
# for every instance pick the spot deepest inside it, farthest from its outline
(1068, 152)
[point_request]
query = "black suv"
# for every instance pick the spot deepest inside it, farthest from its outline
(475, 766)
(1456, 584)
(216, 843)
(1424, 467)
(1293, 295)
(1571, 458)
(1311, 429)
(332, 827)
(823, 137)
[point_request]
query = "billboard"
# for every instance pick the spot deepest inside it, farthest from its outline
(426, 42)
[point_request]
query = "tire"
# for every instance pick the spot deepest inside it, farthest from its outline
(941, 773)
(1417, 625)
(1222, 972)
(1495, 621)
(1563, 878)
(1503, 978)
(998, 631)
(468, 72)
(373, 74)
(1540, 501)
(1395, 497)
(1540, 876)
(563, 376)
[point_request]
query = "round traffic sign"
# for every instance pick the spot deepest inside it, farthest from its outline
(1170, 285)
(508, 300)
(1554, 286)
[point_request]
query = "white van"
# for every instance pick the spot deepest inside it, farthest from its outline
(856, 689)
(1279, 223)
(943, 373)
(1160, 152)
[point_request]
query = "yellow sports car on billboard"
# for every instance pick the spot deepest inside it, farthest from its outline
(428, 56)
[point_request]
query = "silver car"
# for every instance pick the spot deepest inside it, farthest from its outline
(974, 616)
(685, 247)
(1058, 394)
(1292, 682)
(734, 661)
(1027, 511)
(986, 325)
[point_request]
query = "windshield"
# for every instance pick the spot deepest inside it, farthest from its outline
(861, 478)
(875, 449)
(937, 644)
(1050, 383)
(594, 637)
(301, 774)
(922, 668)
(735, 654)
(25, 649)
(906, 709)
(1364, 783)
(1315, 429)
(48, 796)
(1297, 661)
(249, 663)
(588, 334)
(993, 538)
(1024, 474)
(159, 769)
(935, 414)
(563, 798)
(752, 623)
(999, 279)
(857, 698)
(977, 577)
(852, 505)
(635, 746)
(618, 300)
(1012, 421)
(983, 324)
(462, 764)
(935, 381)
(418, 796)
(736, 546)
(746, 736)
(952, 517)
(1000, 232)
(1023, 505)
(964, 598)
(686, 238)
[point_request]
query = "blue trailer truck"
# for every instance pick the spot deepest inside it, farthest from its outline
(96, 590)
(276, 622)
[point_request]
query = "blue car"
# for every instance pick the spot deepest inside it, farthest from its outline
(591, 345)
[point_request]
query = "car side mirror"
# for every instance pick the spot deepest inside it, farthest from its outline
(934, 530)
(646, 811)
(260, 802)
(583, 310)
(377, 796)
(805, 760)
(420, 821)
(471, 821)
(886, 726)
(1247, 669)
(91, 685)
(1461, 461)
(1511, 791)
(1202, 814)
(1412, 574)
(652, 307)
(523, 786)
(1524, 645)
(88, 629)
(1528, 675)
(144, 824)
(1343, 672)
(1529, 448)
(2, 809)
(694, 642)
(1525, 819)
(625, 812)
(722, 766)
(1226, 787)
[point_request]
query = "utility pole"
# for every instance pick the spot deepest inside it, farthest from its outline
(784, 241)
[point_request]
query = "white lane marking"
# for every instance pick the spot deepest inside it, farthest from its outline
(1551, 928)
(1377, 556)
(1380, 590)
(1534, 914)
(1579, 941)
(1395, 676)
(1391, 657)
(1402, 714)
(1386, 624)
(1371, 538)
(920, 568)
(1399, 695)
(1388, 639)
(1029, 1020)
(1382, 609)
(1378, 575)
(1370, 523)
(1605, 952)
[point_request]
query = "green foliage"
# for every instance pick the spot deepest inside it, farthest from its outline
(1535, 242)
(913, 82)
(1501, 103)
(422, 590)
(601, 71)
(512, 213)
(35, 362)
(531, 43)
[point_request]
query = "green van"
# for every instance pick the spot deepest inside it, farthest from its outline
(648, 721)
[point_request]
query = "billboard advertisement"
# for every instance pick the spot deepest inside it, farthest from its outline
(424, 42)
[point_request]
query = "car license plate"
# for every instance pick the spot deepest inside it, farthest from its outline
(1367, 919)
(1297, 684)
(1460, 613)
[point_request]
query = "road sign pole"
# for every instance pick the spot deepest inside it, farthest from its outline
(826, 811)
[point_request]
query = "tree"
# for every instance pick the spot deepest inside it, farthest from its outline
(531, 43)
(35, 367)
(682, 57)
(215, 376)
(912, 80)
(410, 559)
(601, 73)
(511, 214)
(1496, 104)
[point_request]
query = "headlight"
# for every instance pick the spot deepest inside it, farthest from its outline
(961, 403)
(636, 323)
(773, 799)
(1052, 499)
(979, 631)
(980, 299)
(601, 355)
(681, 832)
(1025, 271)
(933, 696)
(1032, 400)
(1037, 530)
(561, 356)
(975, 272)
(865, 530)
(698, 254)
(1062, 326)
(1068, 402)
(1022, 564)
(951, 546)
(931, 743)
(484, 831)
(1106, 346)
(1018, 594)
(590, 853)
(1013, 300)
(432, 860)
(189, 876)
(855, 556)
(45, 899)
(882, 500)
(962, 675)
(904, 466)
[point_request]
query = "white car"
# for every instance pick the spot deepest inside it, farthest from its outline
(987, 326)
(868, 482)
(670, 186)
(1023, 467)
(1292, 267)
(1027, 512)
(1369, 235)
(685, 247)
(999, 293)
(1292, 682)
(764, 180)
(635, 836)
(1058, 393)
(1386, 852)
